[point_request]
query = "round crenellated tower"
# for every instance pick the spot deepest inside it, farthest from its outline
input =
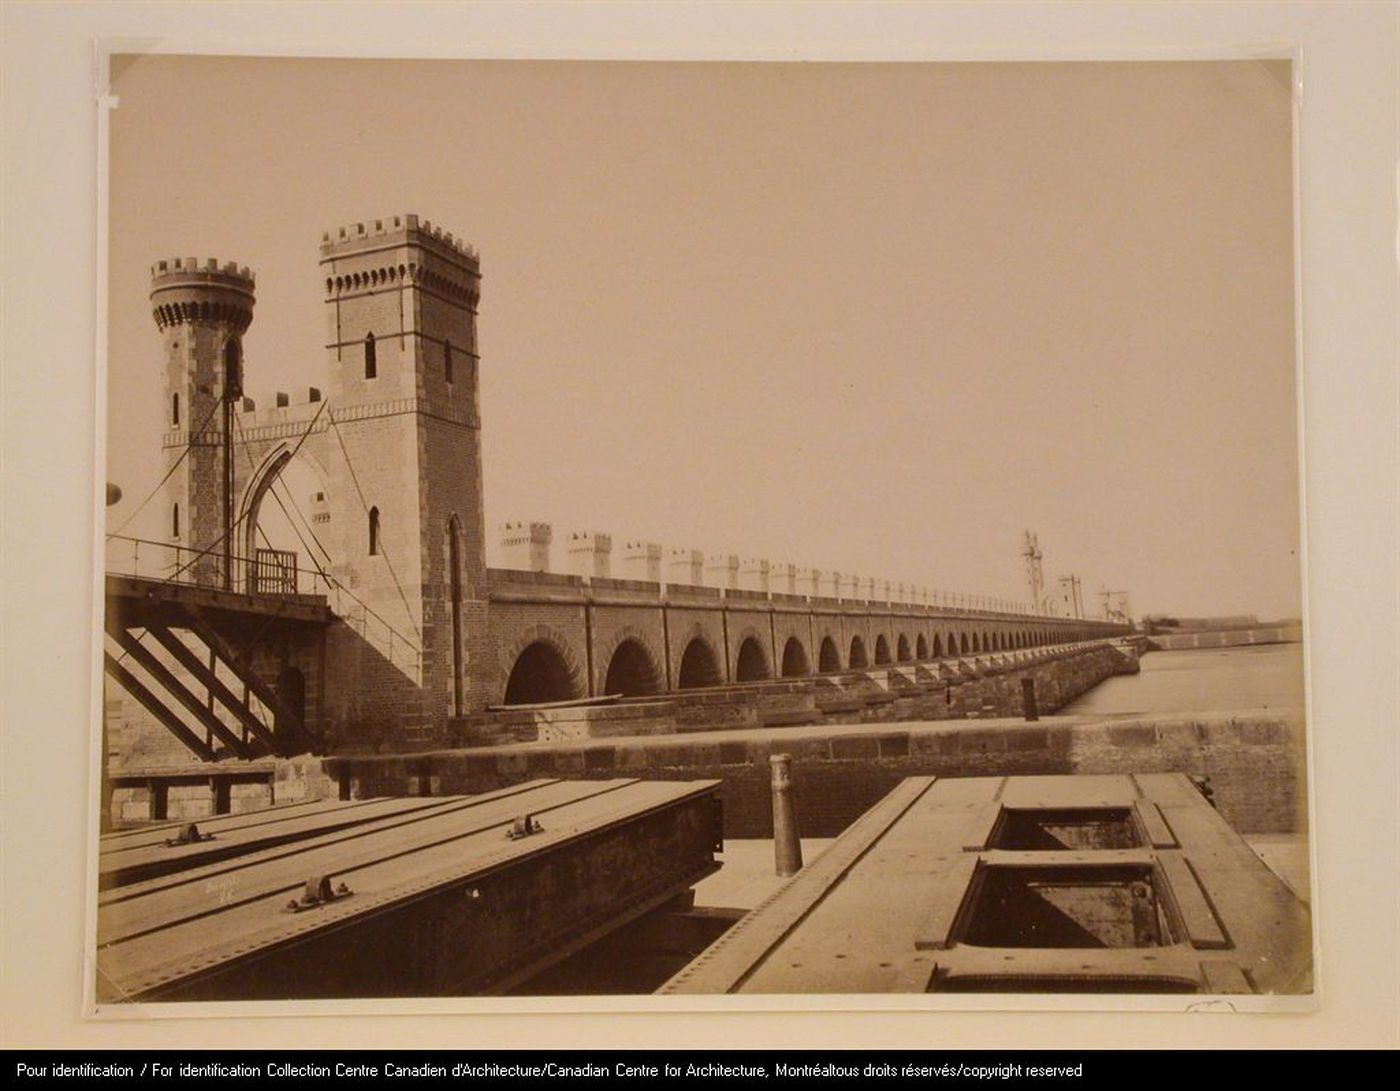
(202, 310)
(185, 291)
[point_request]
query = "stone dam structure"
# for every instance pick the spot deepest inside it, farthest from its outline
(384, 655)
(429, 776)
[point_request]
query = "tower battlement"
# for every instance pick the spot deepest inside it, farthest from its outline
(186, 267)
(392, 230)
(186, 290)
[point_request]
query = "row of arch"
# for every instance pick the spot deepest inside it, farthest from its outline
(228, 314)
(544, 670)
(373, 278)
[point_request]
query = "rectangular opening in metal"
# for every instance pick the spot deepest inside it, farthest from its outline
(1066, 907)
(1058, 830)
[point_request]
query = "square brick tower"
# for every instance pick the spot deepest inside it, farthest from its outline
(405, 456)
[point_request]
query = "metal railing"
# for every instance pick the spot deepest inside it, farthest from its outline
(269, 572)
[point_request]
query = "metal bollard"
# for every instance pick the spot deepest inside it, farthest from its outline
(787, 849)
(1028, 699)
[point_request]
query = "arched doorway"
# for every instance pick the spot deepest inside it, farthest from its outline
(921, 647)
(858, 657)
(284, 530)
(901, 649)
(937, 646)
(829, 659)
(882, 650)
(631, 672)
(699, 665)
(963, 638)
(540, 674)
(753, 664)
(795, 663)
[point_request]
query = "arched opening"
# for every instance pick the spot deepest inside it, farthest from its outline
(699, 665)
(882, 650)
(290, 730)
(921, 647)
(858, 656)
(795, 663)
(937, 646)
(540, 674)
(901, 649)
(447, 360)
(371, 361)
(963, 643)
(631, 672)
(829, 658)
(374, 532)
(282, 509)
(454, 591)
(753, 664)
(976, 643)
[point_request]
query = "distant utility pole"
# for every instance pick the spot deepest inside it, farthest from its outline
(1035, 576)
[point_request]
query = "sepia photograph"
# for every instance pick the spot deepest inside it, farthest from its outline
(655, 529)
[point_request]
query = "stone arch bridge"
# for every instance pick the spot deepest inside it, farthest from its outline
(381, 627)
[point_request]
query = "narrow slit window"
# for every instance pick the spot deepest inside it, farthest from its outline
(175, 408)
(233, 368)
(447, 360)
(371, 365)
(373, 532)
(175, 520)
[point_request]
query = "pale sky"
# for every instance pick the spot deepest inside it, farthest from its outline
(874, 317)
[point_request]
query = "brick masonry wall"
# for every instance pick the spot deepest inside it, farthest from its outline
(745, 625)
(513, 626)
(136, 740)
(612, 625)
(687, 625)
(1256, 765)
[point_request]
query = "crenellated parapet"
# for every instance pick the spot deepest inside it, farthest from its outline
(685, 566)
(185, 291)
(526, 545)
(456, 276)
(642, 561)
(590, 554)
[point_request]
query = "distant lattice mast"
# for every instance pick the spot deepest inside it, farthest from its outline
(1035, 576)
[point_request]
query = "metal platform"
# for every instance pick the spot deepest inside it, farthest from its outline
(451, 895)
(148, 853)
(1122, 884)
